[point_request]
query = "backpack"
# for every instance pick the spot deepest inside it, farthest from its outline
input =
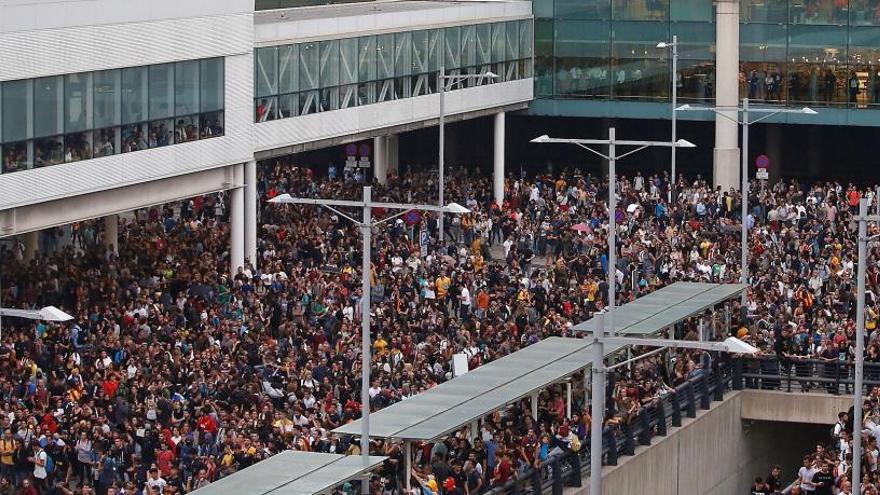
(50, 464)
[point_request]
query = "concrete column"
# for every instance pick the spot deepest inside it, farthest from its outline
(380, 159)
(726, 154)
(250, 212)
(31, 243)
(236, 221)
(498, 169)
(535, 406)
(111, 233)
(392, 144)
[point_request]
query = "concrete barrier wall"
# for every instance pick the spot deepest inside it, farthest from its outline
(716, 453)
(793, 407)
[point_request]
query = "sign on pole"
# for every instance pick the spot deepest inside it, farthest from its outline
(763, 161)
(762, 174)
(423, 242)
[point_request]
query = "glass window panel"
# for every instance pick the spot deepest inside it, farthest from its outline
(186, 129)
(420, 52)
(212, 83)
(17, 111)
(135, 137)
(308, 67)
(161, 133)
(288, 69)
(817, 58)
(367, 58)
(641, 10)
(435, 42)
(48, 106)
(691, 10)
(638, 71)
(763, 11)
(864, 12)
(107, 98)
(581, 9)
(499, 38)
(329, 76)
(266, 71)
(78, 102)
(348, 61)
(134, 95)
(830, 12)
(526, 37)
(512, 33)
(468, 46)
(106, 142)
(484, 44)
(864, 60)
(211, 124)
(762, 55)
(77, 146)
(543, 8)
(161, 91)
(186, 88)
(545, 57)
(582, 60)
(696, 79)
(16, 157)
(452, 51)
(403, 54)
(385, 55)
(48, 151)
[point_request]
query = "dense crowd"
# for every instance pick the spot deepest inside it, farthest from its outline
(176, 372)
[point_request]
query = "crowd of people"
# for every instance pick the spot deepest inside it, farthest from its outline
(176, 372)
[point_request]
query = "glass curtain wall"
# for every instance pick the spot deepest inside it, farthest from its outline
(322, 76)
(797, 52)
(67, 118)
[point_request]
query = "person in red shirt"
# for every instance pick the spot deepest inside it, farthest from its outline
(164, 458)
(207, 424)
(502, 471)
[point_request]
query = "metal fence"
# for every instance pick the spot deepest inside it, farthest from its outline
(801, 375)
(569, 468)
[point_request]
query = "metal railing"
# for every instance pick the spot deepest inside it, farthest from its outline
(801, 375)
(655, 419)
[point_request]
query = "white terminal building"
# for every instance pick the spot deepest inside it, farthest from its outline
(107, 106)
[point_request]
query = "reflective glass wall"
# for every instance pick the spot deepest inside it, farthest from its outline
(73, 117)
(320, 76)
(819, 52)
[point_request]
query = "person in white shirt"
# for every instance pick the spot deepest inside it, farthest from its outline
(465, 297)
(805, 475)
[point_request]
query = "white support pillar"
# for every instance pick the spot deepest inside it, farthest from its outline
(392, 147)
(726, 153)
(111, 233)
(475, 430)
(535, 406)
(31, 243)
(407, 464)
(568, 399)
(250, 212)
(380, 159)
(498, 169)
(236, 221)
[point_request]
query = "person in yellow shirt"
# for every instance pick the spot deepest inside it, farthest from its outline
(442, 285)
(380, 345)
(7, 449)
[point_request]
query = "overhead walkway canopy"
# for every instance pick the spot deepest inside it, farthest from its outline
(293, 473)
(666, 307)
(447, 407)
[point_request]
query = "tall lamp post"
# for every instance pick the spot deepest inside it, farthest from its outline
(744, 173)
(863, 220)
(612, 142)
(598, 406)
(442, 80)
(674, 45)
(366, 225)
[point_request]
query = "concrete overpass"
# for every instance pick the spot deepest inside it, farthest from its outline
(722, 450)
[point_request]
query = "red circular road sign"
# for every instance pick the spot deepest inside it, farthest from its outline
(762, 161)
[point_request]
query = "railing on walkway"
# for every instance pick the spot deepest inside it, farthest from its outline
(568, 469)
(801, 375)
